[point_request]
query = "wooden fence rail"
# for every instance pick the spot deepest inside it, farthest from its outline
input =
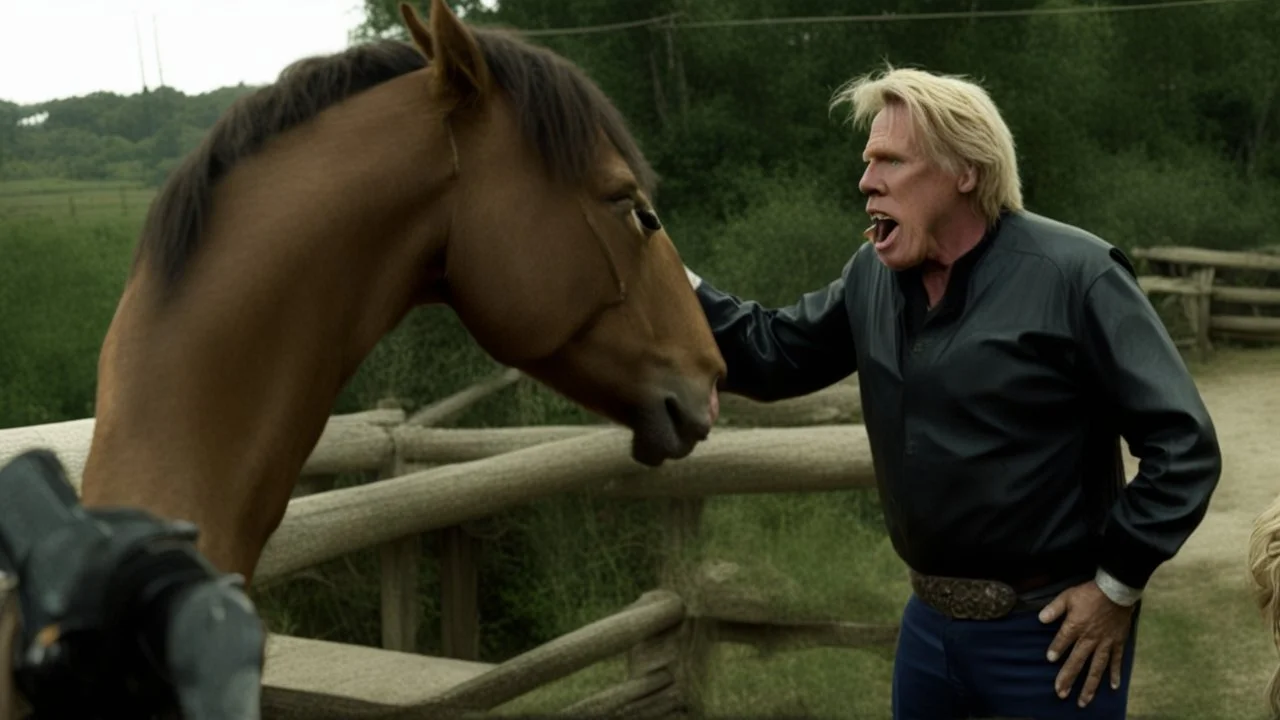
(435, 479)
(1224, 294)
(327, 525)
(353, 442)
(477, 687)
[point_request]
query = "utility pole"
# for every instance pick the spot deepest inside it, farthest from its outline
(141, 68)
(155, 39)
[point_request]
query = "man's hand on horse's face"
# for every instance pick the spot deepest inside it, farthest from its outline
(1093, 627)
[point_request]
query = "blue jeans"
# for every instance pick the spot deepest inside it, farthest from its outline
(947, 668)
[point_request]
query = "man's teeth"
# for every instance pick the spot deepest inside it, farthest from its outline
(873, 230)
(881, 226)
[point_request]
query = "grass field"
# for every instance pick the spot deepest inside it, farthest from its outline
(1201, 648)
(60, 275)
(73, 201)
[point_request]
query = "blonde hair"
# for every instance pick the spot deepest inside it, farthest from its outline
(955, 121)
(1264, 566)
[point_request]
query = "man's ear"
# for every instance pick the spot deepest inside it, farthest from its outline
(968, 179)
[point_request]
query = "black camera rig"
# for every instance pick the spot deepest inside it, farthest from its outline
(120, 615)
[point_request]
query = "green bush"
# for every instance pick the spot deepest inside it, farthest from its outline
(1181, 196)
(789, 237)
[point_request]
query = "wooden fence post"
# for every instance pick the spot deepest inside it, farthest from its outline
(688, 646)
(1203, 277)
(11, 705)
(459, 594)
(459, 552)
(401, 612)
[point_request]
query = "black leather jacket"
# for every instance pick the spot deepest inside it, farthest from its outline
(994, 419)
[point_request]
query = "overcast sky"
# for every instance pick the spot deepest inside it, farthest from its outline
(59, 48)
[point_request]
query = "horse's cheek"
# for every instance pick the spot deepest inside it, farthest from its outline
(501, 310)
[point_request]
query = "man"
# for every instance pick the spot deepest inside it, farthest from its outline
(1000, 355)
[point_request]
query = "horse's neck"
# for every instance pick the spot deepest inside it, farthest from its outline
(210, 402)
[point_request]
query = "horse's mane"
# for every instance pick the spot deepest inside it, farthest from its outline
(558, 106)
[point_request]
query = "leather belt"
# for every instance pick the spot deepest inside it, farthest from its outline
(977, 599)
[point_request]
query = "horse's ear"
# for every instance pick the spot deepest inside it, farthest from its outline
(417, 30)
(452, 50)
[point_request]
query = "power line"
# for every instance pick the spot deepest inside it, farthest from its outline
(957, 15)
(601, 28)
(670, 19)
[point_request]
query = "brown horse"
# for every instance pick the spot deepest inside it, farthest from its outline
(465, 168)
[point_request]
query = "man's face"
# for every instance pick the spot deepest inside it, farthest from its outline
(907, 193)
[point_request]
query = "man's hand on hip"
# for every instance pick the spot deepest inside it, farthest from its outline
(1093, 627)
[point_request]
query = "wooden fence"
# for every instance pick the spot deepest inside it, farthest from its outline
(434, 479)
(1224, 294)
(438, 479)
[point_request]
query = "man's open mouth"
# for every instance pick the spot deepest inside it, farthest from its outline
(882, 227)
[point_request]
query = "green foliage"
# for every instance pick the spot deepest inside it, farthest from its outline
(1188, 196)
(788, 236)
(59, 289)
(537, 581)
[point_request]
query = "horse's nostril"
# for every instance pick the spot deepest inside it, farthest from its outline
(688, 426)
(673, 412)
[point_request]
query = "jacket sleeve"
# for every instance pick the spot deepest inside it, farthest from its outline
(778, 353)
(1160, 414)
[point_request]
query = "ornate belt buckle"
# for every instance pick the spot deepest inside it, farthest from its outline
(965, 598)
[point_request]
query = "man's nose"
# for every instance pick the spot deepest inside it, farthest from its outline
(868, 184)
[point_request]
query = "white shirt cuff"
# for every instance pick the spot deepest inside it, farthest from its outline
(694, 280)
(1119, 593)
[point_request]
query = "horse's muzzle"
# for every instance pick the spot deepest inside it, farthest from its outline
(670, 428)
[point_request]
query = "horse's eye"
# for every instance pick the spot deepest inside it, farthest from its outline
(649, 220)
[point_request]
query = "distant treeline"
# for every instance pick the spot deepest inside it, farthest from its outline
(107, 136)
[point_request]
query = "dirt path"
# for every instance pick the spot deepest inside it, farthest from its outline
(1242, 391)
(1208, 655)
